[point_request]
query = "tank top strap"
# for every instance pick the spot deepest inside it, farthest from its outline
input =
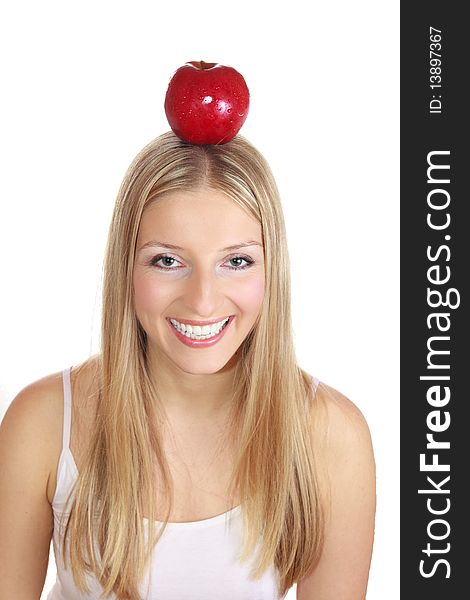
(67, 407)
(315, 383)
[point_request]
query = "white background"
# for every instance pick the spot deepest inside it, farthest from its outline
(83, 89)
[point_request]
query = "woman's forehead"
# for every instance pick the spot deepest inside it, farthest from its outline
(206, 215)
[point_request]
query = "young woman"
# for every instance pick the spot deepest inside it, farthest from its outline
(192, 458)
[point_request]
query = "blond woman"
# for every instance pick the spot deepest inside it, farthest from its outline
(192, 458)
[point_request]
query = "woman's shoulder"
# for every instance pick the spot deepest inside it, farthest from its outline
(41, 401)
(35, 407)
(338, 405)
(32, 426)
(30, 435)
(340, 421)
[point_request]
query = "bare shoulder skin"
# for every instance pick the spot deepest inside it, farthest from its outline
(30, 444)
(343, 569)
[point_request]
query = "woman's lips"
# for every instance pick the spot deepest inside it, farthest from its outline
(201, 343)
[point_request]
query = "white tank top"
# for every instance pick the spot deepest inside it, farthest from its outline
(192, 561)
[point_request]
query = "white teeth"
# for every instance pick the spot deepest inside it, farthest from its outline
(198, 332)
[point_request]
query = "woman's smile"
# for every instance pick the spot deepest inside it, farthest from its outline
(201, 335)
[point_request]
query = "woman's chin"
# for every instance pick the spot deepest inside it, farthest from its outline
(205, 367)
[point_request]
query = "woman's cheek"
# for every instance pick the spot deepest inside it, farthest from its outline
(250, 294)
(149, 295)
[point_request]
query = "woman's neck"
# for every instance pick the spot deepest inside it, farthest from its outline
(188, 395)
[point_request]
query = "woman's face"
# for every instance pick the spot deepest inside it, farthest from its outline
(198, 278)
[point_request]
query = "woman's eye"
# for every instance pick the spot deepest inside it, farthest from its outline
(240, 262)
(163, 262)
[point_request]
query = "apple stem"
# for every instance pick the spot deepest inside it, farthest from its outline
(202, 65)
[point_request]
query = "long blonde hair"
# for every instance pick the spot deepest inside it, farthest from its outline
(274, 471)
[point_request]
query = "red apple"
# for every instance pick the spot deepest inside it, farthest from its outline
(206, 103)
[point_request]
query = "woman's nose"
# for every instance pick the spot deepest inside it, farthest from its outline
(203, 294)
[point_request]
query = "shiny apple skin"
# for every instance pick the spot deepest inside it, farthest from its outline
(206, 103)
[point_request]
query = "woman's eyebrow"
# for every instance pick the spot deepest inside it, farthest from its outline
(152, 243)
